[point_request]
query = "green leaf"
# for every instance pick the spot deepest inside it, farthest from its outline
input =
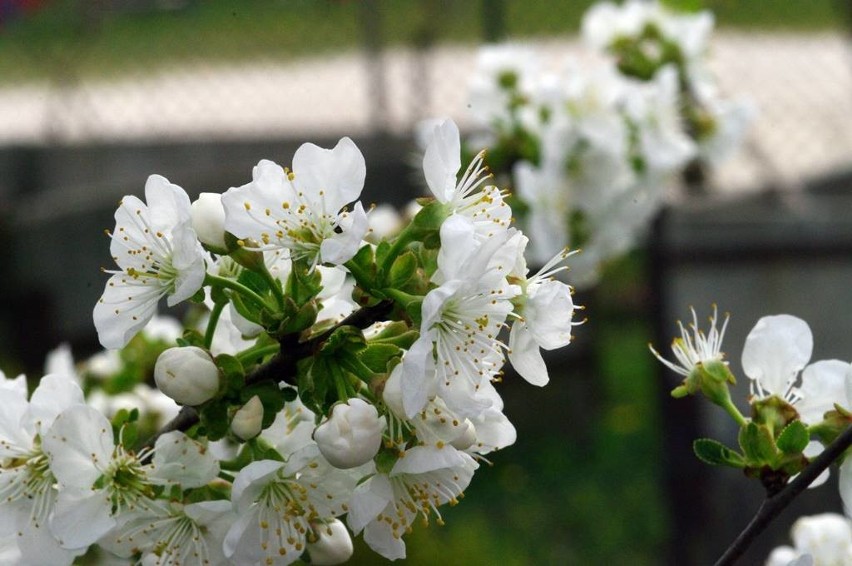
(757, 445)
(346, 338)
(793, 438)
(715, 453)
(402, 270)
(382, 251)
(270, 397)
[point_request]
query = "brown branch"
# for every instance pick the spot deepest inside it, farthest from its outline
(773, 505)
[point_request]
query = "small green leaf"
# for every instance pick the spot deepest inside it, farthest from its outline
(757, 445)
(715, 453)
(793, 438)
(377, 356)
(214, 418)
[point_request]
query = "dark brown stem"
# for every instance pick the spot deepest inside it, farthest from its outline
(772, 506)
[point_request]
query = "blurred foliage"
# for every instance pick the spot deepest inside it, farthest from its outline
(66, 39)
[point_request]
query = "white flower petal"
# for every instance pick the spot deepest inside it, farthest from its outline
(525, 355)
(182, 460)
(250, 481)
(337, 174)
(342, 246)
(81, 517)
(54, 394)
(368, 500)
(442, 161)
(79, 444)
(775, 350)
(823, 385)
(123, 311)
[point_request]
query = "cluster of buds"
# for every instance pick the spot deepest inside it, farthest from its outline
(590, 152)
(324, 375)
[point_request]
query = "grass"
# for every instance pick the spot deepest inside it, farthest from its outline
(68, 38)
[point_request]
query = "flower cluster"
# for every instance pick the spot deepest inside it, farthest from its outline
(324, 375)
(796, 407)
(590, 151)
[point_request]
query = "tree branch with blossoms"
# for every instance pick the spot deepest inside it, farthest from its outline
(791, 401)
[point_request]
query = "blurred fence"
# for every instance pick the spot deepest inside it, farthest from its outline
(124, 70)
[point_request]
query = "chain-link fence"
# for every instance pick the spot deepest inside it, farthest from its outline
(119, 70)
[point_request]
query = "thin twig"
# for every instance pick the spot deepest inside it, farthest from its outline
(772, 506)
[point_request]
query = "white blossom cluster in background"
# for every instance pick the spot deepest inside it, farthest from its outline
(590, 151)
(332, 382)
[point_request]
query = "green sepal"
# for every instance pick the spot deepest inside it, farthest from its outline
(261, 450)
(385, 460)
(125, 426)
(793, 438)
(304, 283)
(757, 445)
(715, 453)
(230, 367)
(191, 338)
(252, 260)
(397, 333)
(198, 297)
(346, 338)
(364, 263)
(213, 416)
(270, 397)
(376, 356)
(402, 270)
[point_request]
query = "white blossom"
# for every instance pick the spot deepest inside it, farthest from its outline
(27, 493)
(424, 478)
(101, 481)
(303, 210)
(208, 220)
(247, 421)
(158, 255)
(333, 545)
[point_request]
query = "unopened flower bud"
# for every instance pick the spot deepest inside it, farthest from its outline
(334, 545)
(352, 436)
(248, 420)
(467, 437)
(187, 375)
(208, 220)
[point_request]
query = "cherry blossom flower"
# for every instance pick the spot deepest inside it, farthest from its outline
(458, 346)
(101, 481)
(441, 163)
(277, 502)
(424, 478)
(27, 493)
(303, 210)
(545, 312)
(174, 534)
(158, 255)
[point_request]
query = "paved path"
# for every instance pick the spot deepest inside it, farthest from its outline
(802, 85)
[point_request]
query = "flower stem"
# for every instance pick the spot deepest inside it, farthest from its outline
(211, 324)
(735, 413)
(256, 352)
(274, 285)
(216, 281)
